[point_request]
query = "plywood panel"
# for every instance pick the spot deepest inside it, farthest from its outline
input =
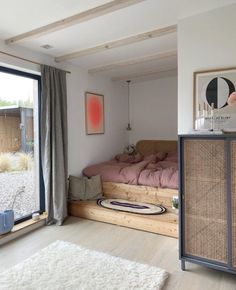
(30, 129)
(146, 147)
(165, 224)
(10, 134)
(140, 193)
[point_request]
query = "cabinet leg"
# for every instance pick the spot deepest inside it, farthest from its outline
(183, 265)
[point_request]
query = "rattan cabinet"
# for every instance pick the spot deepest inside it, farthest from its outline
(208, 200)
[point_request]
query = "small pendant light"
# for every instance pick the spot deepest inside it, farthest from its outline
(128, 128)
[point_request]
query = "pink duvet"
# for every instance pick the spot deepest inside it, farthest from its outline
(160, 174)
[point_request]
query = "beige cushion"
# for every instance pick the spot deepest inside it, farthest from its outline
(83, 188)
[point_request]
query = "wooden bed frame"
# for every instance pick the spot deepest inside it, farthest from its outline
(140, 193)
(165, 224)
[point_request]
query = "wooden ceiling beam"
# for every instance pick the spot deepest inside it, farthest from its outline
(118, 43)
(134, 61)
(73, 20)
(158, 72)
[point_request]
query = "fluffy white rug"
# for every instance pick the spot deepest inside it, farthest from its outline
(63, 266)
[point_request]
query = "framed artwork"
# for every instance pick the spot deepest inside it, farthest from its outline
(94, 113)
(212, 90)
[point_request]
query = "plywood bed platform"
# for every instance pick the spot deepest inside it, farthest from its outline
(140, 193)
(164, 224)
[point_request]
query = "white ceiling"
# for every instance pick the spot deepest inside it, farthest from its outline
(144, 16)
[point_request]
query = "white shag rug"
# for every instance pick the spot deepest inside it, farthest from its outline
(66, 266)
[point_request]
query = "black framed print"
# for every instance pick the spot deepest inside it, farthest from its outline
(215, 99)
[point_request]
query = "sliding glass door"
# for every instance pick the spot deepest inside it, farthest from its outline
(20, 174)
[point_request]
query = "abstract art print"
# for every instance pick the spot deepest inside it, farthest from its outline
(94, 113)
(213, 91)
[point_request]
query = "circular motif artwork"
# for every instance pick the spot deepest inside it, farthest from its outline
(218, 91)
(215, 99)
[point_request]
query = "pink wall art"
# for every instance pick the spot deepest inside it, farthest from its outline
(94, 113)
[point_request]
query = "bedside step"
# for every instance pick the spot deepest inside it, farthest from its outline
(164, 224)
(141, 193)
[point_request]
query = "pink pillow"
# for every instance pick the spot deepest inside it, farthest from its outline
(150, 158)
(153, 166)
(153, 158)
(161, 156)
(123, 157)
(129, 158)
(137, 158)
(172, 156)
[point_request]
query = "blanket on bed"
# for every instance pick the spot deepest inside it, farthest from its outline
(138, 170)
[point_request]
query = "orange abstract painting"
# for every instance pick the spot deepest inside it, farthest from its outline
(94, 109)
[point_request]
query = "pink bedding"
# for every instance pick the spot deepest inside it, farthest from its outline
(155, 173)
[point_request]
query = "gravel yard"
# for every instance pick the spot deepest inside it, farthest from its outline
(27, 201)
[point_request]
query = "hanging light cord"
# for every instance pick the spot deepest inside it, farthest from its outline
(128, 127)
(128, 102)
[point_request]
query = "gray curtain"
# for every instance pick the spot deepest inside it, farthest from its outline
(53, 127)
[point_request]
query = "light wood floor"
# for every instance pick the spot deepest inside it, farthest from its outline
(131, 244)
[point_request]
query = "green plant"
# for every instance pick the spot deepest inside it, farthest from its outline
(5, 162)
(25, 161)
(175, 202)
(5, 103)
(18, 193)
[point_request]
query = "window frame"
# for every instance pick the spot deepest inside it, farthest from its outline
(41, 183)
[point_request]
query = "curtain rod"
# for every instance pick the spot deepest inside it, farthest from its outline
(25, 59)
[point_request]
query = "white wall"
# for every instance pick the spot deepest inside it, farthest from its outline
(83, 149)
(89, 149)
(205, 41)
(187, 8)
(153, 108)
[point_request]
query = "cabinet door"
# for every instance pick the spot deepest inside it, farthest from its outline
(205, 198)
(233, 191)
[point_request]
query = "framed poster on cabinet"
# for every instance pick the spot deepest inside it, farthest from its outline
(215, 99)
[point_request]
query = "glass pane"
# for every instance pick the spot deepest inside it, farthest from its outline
(19, 185)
